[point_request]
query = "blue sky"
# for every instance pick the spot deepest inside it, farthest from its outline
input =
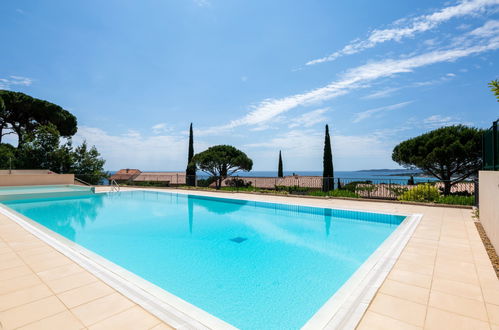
(261, 75)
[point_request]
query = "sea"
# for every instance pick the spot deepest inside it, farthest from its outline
(375, 175)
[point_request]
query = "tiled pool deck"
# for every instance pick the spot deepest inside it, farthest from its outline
(442, 280)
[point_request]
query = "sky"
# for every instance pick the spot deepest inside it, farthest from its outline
(260, 75)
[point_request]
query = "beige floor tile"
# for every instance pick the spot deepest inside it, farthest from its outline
(102, 308)
(42, 265)
(491, 293)
(407, 277)
(71, 281)
(163, 326)
(437, 319)
(59, 272)
(460, 289)
(400, 309)
(28, 313)
(19, 283)
(459, 305)
(405, 291)
(9, 273)
(375, 321)
(414, 267)
(460, 272)
(36, 251)
(84, 294)
(24, 296)
(10, 262)
(134, 318)
(62, 321)
(493, 312)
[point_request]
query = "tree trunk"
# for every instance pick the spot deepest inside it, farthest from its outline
(447, 187)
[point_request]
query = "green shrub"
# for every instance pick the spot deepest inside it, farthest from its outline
(206, 182)
(352, 186)
(334, 193)
(240, 183)
(421, 193)
(456, 200)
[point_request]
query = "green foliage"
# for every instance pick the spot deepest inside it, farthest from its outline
(280, 172)
(328, 172)
(494, 87)
(42, 150)
(190, 172)
(352, 186)
(222, 161)
(206, 182)
(87, 164)
(456, 200)
(238, 183)
(450, 154)
(421, 193)
(22, 114)
(7, 156)
(335, 193)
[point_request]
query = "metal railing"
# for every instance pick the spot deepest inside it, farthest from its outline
(115, 187)
(490, 148)
(413, 189)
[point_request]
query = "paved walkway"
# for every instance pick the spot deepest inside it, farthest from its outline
(442, 280)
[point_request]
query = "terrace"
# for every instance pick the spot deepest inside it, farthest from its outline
(442, 279)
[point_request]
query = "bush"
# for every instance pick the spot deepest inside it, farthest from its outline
(421, 193)
(334, 193)
(206, 182)
(292, 189)
(352, 186)
(456, 200)
(239, 183)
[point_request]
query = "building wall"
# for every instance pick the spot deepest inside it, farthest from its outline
(489, 205)
(35, 179)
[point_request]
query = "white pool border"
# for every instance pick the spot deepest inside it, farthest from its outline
(342, 311)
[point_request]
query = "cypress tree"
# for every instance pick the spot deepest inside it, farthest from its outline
(327, 174)
(280, 173)
(190, 172)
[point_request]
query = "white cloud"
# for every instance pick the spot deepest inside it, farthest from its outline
(358, 77)
(160, 128)
(382, 93)
(7, 83)
(407, 28)
(369, 113)
(133, 150)
(309, 119)
(436, 121)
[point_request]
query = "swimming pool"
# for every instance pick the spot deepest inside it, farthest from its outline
(252, 264)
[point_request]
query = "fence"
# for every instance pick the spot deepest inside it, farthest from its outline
(416, 189)
(490, 148)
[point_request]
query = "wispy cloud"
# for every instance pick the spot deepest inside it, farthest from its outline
(382, 93)
(436, 121)
(7, 83)
(160, 128)
(371, 112)
(309, 119)
(406, 28)
(358, 77)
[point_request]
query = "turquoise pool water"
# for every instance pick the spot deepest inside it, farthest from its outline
(254, 265)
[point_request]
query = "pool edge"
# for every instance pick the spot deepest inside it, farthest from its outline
(347, 306)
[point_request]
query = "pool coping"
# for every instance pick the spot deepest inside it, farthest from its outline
(343, 310)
